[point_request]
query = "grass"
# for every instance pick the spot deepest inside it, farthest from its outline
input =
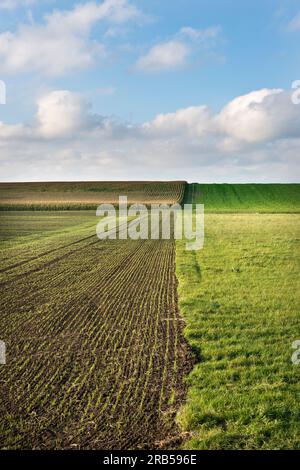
(240, 299)
(269, 198)
(16, 226)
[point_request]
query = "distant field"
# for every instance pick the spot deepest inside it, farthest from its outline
(240, 297)
(245, 197)
(270, 198)
(86, 195)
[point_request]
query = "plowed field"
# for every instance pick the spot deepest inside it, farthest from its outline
(95, 353)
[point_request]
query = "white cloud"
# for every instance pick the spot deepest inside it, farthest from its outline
(62, 43)
(164, 56)
(174, 53)
(61, 114)
(254, 137)
(201, 35)
(294, 24)
(195, 120)
(262, 115)
(13, 131)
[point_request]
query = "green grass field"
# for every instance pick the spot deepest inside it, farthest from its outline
(240, 297)
(18, 226)
(270, 198)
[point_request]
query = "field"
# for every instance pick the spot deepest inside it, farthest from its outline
(101, 341)
(263, 198)
(86, 195)
(240, 297)
(95, 351)
(96, 355)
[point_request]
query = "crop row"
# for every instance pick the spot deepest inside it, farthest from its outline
(95, 347)
(67, 196)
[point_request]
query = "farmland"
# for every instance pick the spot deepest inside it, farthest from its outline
(96, 355)
(238, 198)
(85, 195)
(95, 351)
(101, 340)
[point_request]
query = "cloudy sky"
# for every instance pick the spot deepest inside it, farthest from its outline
(149, 89)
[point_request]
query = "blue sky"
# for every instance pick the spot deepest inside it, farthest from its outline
(102, 73)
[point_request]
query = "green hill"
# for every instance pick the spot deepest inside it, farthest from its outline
(270, 198)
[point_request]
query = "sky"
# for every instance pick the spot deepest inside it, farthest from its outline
(196, 90)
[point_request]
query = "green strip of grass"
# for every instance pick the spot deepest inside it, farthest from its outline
(240, 297)
(270, 198)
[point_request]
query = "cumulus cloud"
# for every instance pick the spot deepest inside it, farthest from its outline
(63, 42)
(62, 113)
(260, 116)
(192, 121)
(13, 131)
(164, 56)
(174, 53)
(254, 137)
